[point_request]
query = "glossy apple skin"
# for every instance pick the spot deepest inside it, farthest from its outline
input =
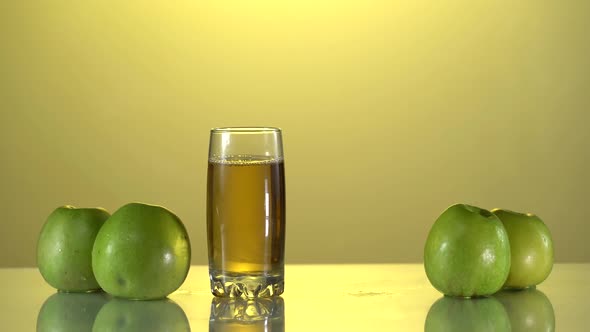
(450, 314)
(529, 310)
(467, 252)
(142, 252)
(64, 248)
(531, 248)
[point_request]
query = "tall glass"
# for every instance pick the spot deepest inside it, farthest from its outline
(246, 212)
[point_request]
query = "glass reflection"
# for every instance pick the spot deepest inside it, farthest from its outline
(145, 316)
(70, 311)
(252, 315)
(458, 314)
(528, 310)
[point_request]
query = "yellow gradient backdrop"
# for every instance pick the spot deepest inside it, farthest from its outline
(391, 111)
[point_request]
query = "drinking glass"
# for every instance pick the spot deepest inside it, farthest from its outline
(246, 212)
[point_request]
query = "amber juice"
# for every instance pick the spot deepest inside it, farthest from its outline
(246, 226)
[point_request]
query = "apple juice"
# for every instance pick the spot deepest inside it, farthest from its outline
(246, 226)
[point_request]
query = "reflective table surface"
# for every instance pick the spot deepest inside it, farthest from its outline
(386, 297)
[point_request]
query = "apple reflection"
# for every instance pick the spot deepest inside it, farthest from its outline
(459, 314)
(70, 311)
(528, 310)
(252, 315)
(146, 316)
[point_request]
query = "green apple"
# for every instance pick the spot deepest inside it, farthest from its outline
(450, 314)
(528, 310)
(65, 312)
(141, 252)
(531, 248)
(141, 316)
(64, 248)
(467, 252)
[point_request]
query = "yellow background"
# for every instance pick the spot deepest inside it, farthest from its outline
(391, 111)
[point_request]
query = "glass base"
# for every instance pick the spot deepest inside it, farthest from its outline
(248, 286)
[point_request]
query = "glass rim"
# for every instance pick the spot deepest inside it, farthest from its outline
(250, 129)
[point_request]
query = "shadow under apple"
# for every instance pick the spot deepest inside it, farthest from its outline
(528, 310)
(475, 314)
(146, 316)
(70, 311)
